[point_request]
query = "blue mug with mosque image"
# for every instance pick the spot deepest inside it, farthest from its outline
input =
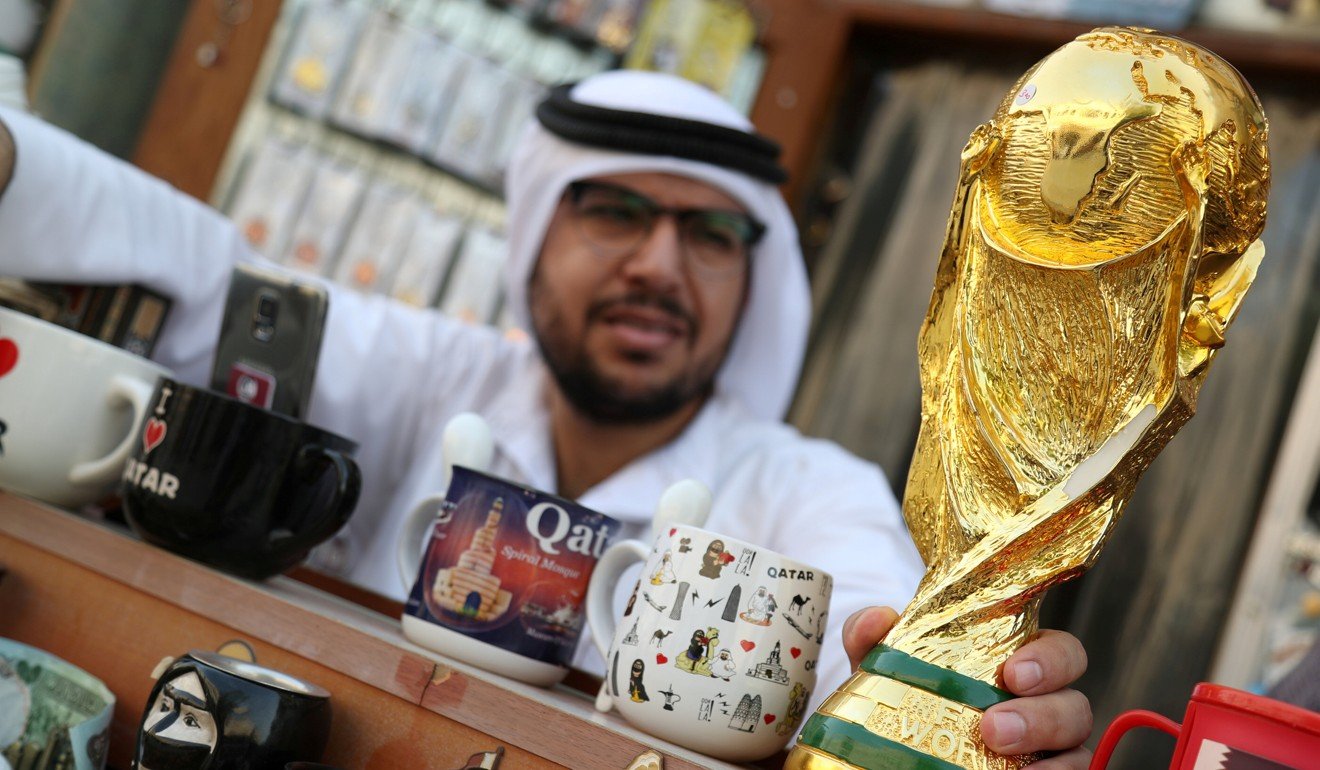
(502, 578)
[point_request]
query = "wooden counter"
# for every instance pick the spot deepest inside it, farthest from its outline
(115, 607)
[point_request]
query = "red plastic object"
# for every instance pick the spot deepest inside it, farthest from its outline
(1225, 729)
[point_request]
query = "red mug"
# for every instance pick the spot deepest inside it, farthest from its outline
(1226, 729)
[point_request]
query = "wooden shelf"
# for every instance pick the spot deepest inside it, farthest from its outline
(1252, 53)
(810, 44)
(115, 607)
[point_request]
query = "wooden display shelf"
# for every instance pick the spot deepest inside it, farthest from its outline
(115, 607)
(809, 43)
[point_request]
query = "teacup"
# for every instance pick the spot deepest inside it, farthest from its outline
(233, 485)
(219, 713)
(69, 409)
(504, 575)
(717, 647)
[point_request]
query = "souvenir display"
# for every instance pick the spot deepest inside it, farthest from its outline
(233, 485)
(474, 290)
(270, 194)
(426, 258)
(375, 78)
(318, 232)
(722, 38)
(520, 100)
(465, 139)
(424, 90)
(503, 577)
(375, 244)
(718, 644)
(1124, 178)
(69, 410)
(1227, 729)
(53, 716)
(316, 55)
(211, 712)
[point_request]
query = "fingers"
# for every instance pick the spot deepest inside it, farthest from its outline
(865, 629)
(1056, 721)
(1052, 661)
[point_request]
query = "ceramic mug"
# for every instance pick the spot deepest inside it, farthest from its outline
(69, 410)
(233, 485)
(1227, 729)
(717, 647)
(504, 575)
(211, 712)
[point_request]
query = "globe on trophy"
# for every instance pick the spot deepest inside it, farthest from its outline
(1105, 230)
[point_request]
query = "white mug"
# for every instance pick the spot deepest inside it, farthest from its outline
(717, 648)
(70, 407)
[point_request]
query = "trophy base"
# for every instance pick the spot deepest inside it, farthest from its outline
(901, 713)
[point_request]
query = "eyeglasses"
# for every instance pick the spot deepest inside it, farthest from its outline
(616, 221)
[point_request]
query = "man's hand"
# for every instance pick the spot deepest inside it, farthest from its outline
(1047, 717)
(6, 158)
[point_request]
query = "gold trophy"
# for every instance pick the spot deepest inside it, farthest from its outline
(1104, 233)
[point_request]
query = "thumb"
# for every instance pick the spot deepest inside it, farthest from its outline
(865, 629)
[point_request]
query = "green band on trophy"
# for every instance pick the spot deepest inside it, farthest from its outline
(888, 662)
(858, 746)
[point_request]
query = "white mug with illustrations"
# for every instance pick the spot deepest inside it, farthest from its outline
(717, 648)
(70, 407)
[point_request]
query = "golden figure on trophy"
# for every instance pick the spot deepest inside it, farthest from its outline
(1104, 233)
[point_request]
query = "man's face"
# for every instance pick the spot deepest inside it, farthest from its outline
(637, 336)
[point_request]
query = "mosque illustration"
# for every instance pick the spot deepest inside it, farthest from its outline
(469, 589)
(770, 668)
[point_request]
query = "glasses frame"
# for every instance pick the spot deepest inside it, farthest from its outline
(756, 229)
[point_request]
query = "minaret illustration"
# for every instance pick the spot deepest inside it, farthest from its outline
(770, 669)
(469, 589)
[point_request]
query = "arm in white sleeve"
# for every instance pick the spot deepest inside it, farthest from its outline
(72, 213)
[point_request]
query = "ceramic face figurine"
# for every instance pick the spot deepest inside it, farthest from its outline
(211, 712)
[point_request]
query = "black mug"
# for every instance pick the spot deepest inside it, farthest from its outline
(233, 485)
(211, 712)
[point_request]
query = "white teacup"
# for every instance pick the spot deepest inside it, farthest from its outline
(717, 648)
(70, 407)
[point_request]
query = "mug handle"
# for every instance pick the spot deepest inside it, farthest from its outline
(600, 591)
(327, 521)
(138, 395)
(1121, 725)
(414, 534)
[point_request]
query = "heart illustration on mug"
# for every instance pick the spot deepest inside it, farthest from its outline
(152, 434)
(661, 659)
(672, 530)
(769, 718)
(795, 651)
(8, 356)
(747, 646)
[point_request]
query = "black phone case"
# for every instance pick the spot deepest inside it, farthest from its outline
(264, 358)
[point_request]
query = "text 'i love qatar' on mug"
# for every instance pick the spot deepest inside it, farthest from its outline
(69, 410)
(503, 577)
(717, 648)
(233, 485)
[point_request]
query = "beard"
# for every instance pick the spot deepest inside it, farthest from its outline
(599, 396)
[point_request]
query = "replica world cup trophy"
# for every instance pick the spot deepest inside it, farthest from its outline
(1104, 233)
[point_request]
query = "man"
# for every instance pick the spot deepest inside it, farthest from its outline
(657, 266)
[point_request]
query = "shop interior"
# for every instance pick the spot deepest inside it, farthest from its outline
(367, 141)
